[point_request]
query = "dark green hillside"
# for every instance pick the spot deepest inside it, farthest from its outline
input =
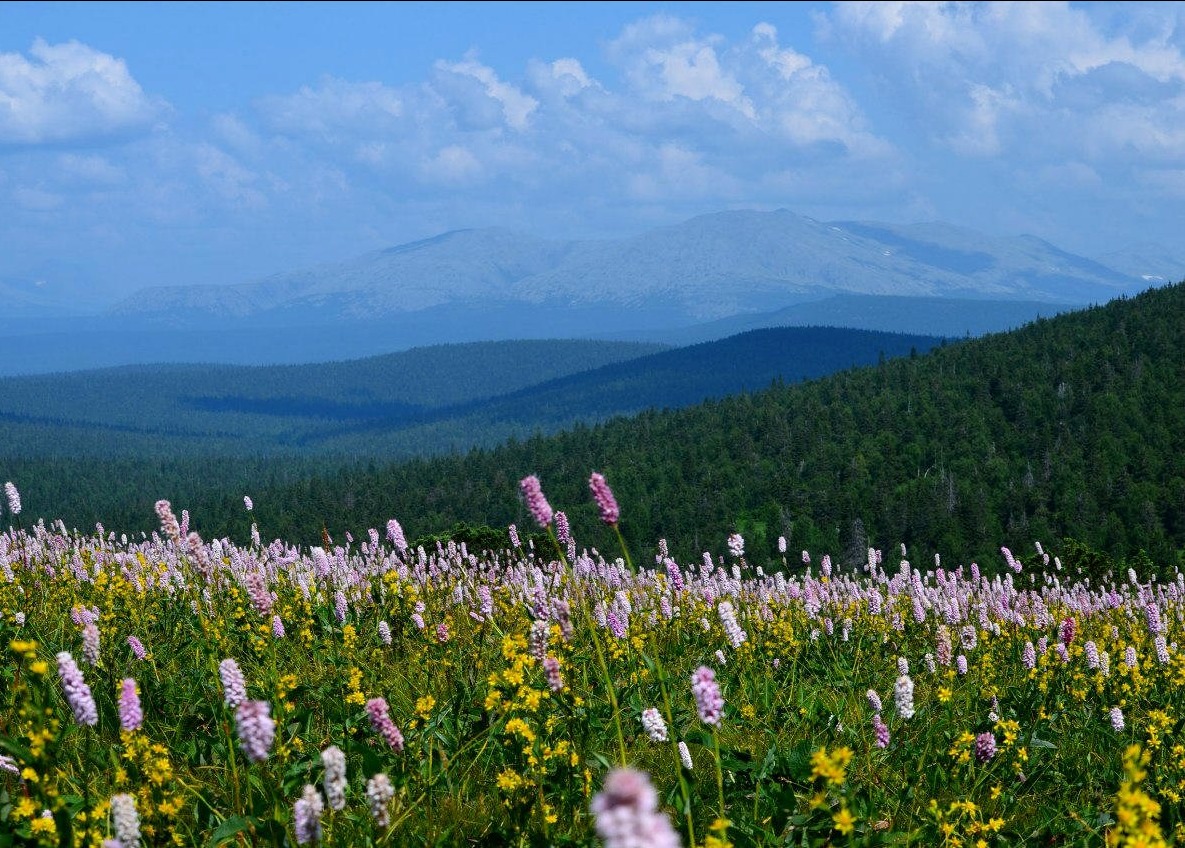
(1072, 426)
(179, 410)
(134, 435)
(670, 379)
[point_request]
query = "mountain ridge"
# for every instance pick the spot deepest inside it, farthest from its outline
(708, 267)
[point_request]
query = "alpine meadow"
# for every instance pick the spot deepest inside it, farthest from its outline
(592, 425)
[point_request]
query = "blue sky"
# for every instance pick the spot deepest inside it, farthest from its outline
(180, 143)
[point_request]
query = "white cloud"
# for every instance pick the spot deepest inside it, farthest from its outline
(663, 59)
(688, 114)
(70, 93)
(1028, 79)
(516, 107)
(227, 177)
(571, 75)
(682, 174)
(453, 164)
(335, 107)
(234, 132)
(800, 101)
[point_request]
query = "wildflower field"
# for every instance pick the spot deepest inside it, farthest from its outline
(177, 691)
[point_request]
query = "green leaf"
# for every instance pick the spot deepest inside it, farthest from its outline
(20, 752)
(224, 831)
(1040, 743)
(65, 823)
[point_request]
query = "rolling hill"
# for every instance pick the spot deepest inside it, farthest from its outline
(104, 445)
(1069, 427)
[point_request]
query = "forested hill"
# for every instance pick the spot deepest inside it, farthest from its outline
(104, 445)
(1071, 426)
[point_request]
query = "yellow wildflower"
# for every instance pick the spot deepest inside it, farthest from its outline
(845, 822)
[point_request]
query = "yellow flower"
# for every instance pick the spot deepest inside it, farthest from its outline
(424, 706)
(830, 766)
(845, 823)
(943, 694)
(516, 726)
(44, 826)
(510, 780)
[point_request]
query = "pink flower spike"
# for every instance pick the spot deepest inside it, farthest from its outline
(603, 495)
(626, 813)
(131, 716)
(708, 700)
(533, 494)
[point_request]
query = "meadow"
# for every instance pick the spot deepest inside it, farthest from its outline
(170, 690)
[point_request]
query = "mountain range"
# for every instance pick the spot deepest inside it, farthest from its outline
(710, 267)
(704, 279)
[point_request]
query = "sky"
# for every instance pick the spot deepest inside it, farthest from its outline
(208, 143)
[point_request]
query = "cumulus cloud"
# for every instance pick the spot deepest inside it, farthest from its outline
(989, 78)
(663, 59)
(334, 108)
(453, 164)
(70, 93)
(687, 114)
(475, 87)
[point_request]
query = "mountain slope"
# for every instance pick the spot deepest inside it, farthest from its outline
(1073, 426)
(186, 432)
(213, 408)
(928, 316)
(670, 379)
(708, 267)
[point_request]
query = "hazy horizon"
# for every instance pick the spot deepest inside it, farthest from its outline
(178, 144)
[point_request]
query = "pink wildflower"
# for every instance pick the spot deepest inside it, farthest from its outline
(234, 685)
(627, 815)
(14, 498)
(551, 668)
(380, 720)
(78, 694)
(708, 699)
(131, 716)
(537, 504)
(985, 747)
(256, 729)
(603, 495)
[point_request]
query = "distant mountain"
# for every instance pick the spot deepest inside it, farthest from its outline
(707, 268)
(419, 402)
(163, 409)
(928, 316)
(1153, 263)
(669, 379)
